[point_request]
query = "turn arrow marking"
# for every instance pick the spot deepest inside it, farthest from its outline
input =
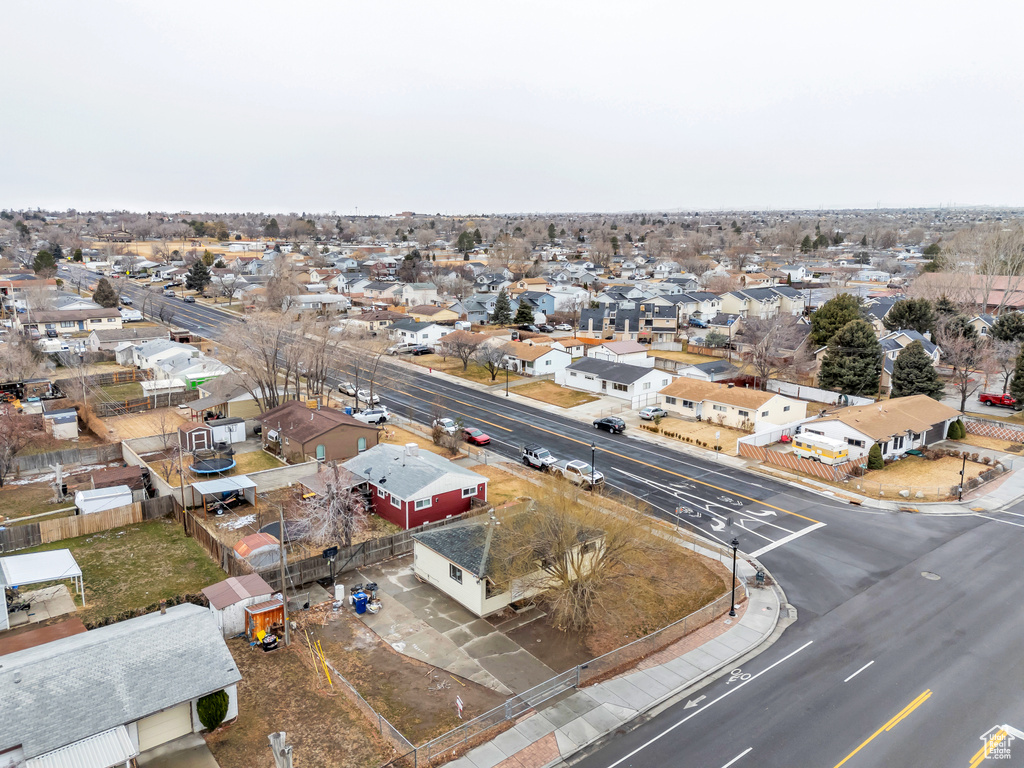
(694, 702)
(762, 513)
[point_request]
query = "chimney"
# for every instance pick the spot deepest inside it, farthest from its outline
(163, 607)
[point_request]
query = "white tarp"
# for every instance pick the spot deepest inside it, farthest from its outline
(101, 499)
(224, 485)
(113, 747)
(18, 570)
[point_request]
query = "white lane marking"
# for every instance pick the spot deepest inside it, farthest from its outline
(709, 704)
(1015, 514)
(741, 754)
(786, 539)
(859, 671)
(997, 520)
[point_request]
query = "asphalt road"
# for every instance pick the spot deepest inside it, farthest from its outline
(874, 637)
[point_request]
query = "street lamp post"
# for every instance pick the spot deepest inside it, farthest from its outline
(735, 546)
(593, 463)
(505, 366)
(963, 469)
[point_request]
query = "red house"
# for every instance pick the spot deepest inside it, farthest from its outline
(410, 487)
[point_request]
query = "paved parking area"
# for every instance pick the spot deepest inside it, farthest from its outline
(422, 622)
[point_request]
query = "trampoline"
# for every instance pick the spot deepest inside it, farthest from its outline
(212, 466)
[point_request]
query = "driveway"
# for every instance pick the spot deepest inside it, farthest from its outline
(187, 752)
(420, 621)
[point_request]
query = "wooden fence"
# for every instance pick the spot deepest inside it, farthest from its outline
(148, 403)
(125, 376)
(831, 472)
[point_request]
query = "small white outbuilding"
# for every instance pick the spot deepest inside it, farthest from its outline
(229, 599)
(102, 499)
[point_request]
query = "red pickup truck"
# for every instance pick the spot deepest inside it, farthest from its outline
(1006, 400)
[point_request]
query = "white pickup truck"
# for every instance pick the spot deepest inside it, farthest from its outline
(576, 471)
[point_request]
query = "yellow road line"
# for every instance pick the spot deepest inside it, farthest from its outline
(893, 722)
(993, 741)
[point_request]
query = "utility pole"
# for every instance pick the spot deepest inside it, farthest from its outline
(284, 593)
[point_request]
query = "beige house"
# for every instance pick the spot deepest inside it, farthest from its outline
(730, 406)
(429, 313)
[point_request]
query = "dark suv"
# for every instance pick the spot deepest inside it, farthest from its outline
(613, 424)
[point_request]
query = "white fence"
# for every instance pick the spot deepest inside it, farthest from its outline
(767, 434)
(815, 394)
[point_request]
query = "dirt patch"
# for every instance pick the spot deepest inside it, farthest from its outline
(700, 432)
(279, 692)
(683, 357)
(559, 650)
(416, 698)
(159, 421)
(551, 393)
(504, 486)
(990, 443)
(918, 471)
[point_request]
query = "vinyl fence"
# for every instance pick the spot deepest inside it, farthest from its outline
(41, 462)
(995, 429)
(813, 393)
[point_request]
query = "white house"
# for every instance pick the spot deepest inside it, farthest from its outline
(109, 695)
(730, 406)
(896, 425)
(413, 332)
(713, 370)
(229, 599)
(628, 352)
(636, 384)
(535, 359)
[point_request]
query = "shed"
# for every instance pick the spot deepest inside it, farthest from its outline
(260, 550)
(102, 499)
(229, 599)
(227, 430)
(212, 491)
(262, 616)
(62, 424)
(37, 567)
(136, 478)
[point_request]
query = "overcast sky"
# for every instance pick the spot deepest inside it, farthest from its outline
(477, 107)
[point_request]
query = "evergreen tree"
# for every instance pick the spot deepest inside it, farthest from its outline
(551, 232)
(524, 315)
(914, 374)
(198, 277)
(932, 251)
(945, 306)
(208, 258)
(105, 295)
(864, 241)
(272, 229)
(44, 262)
(477, 237)
(911, 315)
(853, 363)
(615, 245)
(833, 315)
(806, 244)
(77, 255)
(875, 460)
(502, 309)
(58, 252)
(466, 242)
(1009, 326)
(1017, 385)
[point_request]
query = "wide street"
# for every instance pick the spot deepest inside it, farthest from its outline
(905, 650)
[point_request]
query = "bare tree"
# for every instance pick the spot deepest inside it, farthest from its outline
(15, 435)
(461, 345)
(775, 345)
(19, 359)
(1002, 359)
(490, 357)
(258, 356)
(337, 514)
(964, 353)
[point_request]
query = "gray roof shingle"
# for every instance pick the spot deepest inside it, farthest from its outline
(621, 373)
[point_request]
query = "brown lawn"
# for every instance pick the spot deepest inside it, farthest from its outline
(682, 357)
(991, 443)
(453, 366)
(701, 432)
(549, 392)
(503, 486)
(920, 473)
(156, 422)
(253, 461)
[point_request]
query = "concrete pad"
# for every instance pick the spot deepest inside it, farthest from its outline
(491, 645)
(441, 624)
(510, 742)
(683, 668)
(566, 746)
(668, 678)
(739, 638)
(486, 755)
(580, 731)
(462, 762)
(703, 660)
(607, 698)
(478, 628)
(519, 671)
(623, 713)
(187, 752)
(561, 713)
(648, 682)
(604, 720)
(718, 650)
(534, 727)
(631, 695)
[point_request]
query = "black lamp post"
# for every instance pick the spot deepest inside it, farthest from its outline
(963, 469)
(593, 463)
(735, 546)
(505, 366)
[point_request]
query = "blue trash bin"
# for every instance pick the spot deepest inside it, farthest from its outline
(348, 411)
(360, 599)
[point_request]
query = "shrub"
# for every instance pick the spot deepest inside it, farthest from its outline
(974, 457)
(875, 457)
(212, 709)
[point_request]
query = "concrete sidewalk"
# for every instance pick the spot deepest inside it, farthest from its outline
(553, 733)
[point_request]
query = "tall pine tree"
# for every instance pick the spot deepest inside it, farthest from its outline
(524, 315)
(105, 295)
(502, 309)
(833, 315)
(853, 363)
(914, 374)
(1017, 385)
(197, 278)
(910, 315)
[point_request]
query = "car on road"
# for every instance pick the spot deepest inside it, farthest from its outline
(563, 327)
(652, 412)
(169, 292)
(400, 349)
(376, 415)
(127, 301)
(545, 328)
(577, 472)
(189, 299)
(475, 436)
(448, 426)
(420, 349)
(348, 388)
(613, 424)
(1005, 400)
(530, 328)
(367, 397)
(537, 456)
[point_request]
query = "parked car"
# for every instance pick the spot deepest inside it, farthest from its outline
(475, 436)
(563, 327)
(376, 415)
(51, 333)
(169, 292)
(652, 412)
(400, 349)
(365, 396)
(537, 457)
(1008, 401)
(613, 424)
(530, 328)
(189, 299)
(576, 471)
(348, 388)
(545, 328)
(127, 301)
(420, 349)
(448, 426)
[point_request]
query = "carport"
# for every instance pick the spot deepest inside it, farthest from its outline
(36, 568)
(215, 491)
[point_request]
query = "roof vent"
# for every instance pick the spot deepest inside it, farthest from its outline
(412, 449)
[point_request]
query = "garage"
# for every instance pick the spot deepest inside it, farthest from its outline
(165, 726)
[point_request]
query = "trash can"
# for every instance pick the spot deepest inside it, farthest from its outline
(359, 599)
(348, 411)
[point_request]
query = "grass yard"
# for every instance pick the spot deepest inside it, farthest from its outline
(129, 568)
(399, 436)
(503, 486)
(129, 391)
(31, 499)
(682, 357)
(475, 373)
(915, 471)
(704, 432)
(279, 692)
(549, 392)
(253, 461)
(990, 443)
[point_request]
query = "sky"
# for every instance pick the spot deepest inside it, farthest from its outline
(487, 107)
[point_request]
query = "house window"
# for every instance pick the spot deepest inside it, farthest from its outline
(647, 385)
(620, 387)
(321, 453)
(455, 572)
(467, 492)
(744, 414)
(572, 374)
(396, 502)
(721, 408)
(422, 504)
(857, 443)
(764, 414)
(785, 408)
(688, 404)
(382, 493)
(897, 443)
(547, 362)
(361, 444)
(670, 401)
